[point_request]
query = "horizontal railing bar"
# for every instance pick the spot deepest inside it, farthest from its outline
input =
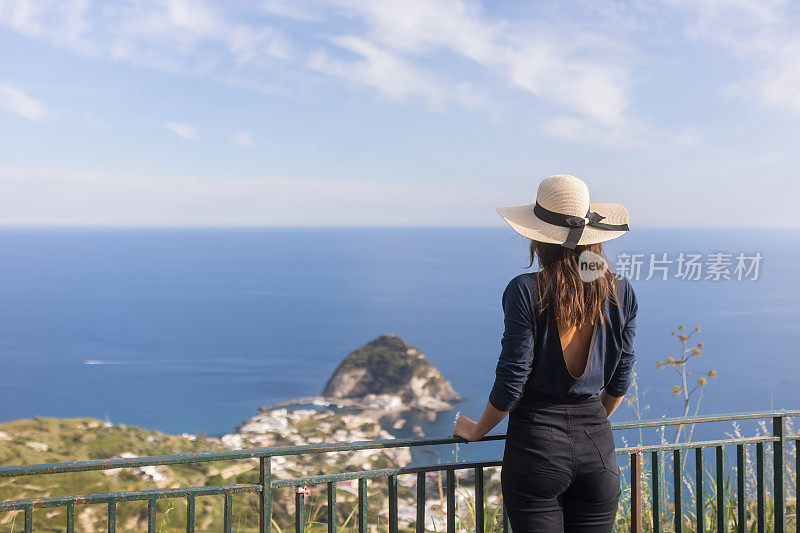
(232, 455)
(134, 495)
(696, 444)
(383, 472)
(676, 421)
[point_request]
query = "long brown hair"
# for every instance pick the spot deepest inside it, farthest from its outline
(559, 284)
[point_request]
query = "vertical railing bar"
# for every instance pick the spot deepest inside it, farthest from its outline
(506, 522)
(362, 505)
(655, 465)
(797, 483)
(760, 511)
(190, 502)
(721, 526)
(152, 505)
(393, 526)
(662, 481)
(71, 517)
(451, 500)
(332, 507)
(28, 519)
(479, 496)
(265, 496)
(741, 495)
(636, 492)
(420, 502)
(299, 518)
(699, 471)
(228, 515)
(677, 489)
(778, 430)
(112, 517)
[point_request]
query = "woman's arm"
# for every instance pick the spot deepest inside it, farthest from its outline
(610, 402)
(472, 431)
(623, 374)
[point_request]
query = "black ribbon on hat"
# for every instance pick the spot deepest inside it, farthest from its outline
(575, 224)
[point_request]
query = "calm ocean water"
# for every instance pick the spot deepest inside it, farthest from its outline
(197, 328)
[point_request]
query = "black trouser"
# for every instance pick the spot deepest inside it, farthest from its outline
(560, 472)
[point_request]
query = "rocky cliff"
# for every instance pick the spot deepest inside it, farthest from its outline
(387, 366)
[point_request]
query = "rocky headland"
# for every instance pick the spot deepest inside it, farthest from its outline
(388, 367)
(384, 376)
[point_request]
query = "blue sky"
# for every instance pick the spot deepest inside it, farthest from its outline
(412, 112)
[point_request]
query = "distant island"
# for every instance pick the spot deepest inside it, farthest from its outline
(384, 376)
(388, 367)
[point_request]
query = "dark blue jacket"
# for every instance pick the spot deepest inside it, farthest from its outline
(532, 364)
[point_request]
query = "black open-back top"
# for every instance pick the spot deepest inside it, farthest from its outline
(532, 365)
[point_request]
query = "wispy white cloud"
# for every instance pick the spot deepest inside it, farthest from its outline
(380, 69)
(14, 100)
(173, 35)
(586, 73)
(184, 131)
(290, 9)
(765, 33)
(440, 52)
(242, 138)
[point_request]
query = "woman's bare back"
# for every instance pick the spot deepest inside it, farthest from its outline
(575, 346)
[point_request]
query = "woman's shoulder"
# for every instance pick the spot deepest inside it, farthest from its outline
(523, 282)
(521, 287)
(626, 294)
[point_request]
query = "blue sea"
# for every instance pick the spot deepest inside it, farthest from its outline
(191, 330)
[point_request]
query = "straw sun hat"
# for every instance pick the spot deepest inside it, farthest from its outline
(563, 215)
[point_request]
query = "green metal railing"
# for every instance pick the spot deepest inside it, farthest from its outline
(266, 484)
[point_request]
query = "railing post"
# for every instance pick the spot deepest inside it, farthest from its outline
(700, 509)
(741, 494)
(479, 496)
(112, 517)
(636, 492)
(678, 490)
(71, 517)
(393, 526)
(190, 502)
(28, 519)
(421, 477)
(760, 496)
(797, 482)
(779, 431)
(662, 478)
(152, 505)
(265, 497)
(332, 517)
(451, 500)
(658, 489)
(299, 516)
(362, 505)
(228, 514)
(721, 516)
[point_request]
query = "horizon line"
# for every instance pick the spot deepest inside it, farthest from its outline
(335, 226)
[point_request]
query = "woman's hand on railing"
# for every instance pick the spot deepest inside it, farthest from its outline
(471, 431)
(465, 428)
